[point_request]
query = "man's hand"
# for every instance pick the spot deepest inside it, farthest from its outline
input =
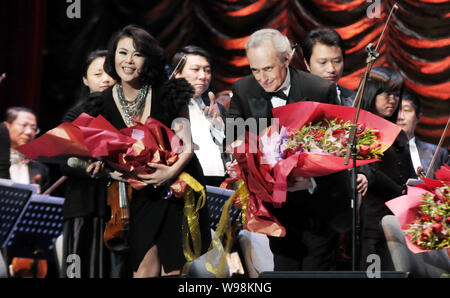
(212, 113)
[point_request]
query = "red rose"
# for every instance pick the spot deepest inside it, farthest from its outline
(437, 228)
(425, 217)
(447, 220)
(338, 132)
(364, 149)
(437, 218)
(425, 236)
(360, 128)
(319, 136)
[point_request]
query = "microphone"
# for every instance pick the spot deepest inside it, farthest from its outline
(82, 164)
(77, 163)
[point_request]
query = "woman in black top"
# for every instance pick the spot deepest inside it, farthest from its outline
(84, 209)
(136, 62)
(387, 177)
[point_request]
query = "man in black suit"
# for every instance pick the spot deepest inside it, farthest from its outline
(421, 152)
(22, 126)
(311, 220)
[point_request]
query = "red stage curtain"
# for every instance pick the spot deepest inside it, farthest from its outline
(417, 43)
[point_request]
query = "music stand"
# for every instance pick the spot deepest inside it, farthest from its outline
(216, 198)
(13, 199)
(30, 225)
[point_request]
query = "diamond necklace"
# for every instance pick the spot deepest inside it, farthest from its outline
(133, 108)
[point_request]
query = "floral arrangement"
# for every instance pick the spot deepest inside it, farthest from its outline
(424, 213)
(331, 137)
(431, 230)
(309, 141)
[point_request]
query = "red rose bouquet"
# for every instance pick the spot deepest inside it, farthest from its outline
(424, 213)
(127, 150)
(310, 143)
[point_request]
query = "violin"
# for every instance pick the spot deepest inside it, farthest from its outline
(118, 197)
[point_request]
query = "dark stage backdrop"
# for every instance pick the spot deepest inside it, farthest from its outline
(43, 49)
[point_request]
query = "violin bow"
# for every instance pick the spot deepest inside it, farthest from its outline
(430, 167)
(179, 65)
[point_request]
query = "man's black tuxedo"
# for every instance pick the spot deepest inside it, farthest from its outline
(311, 221)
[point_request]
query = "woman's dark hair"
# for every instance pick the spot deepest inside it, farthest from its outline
(153, 72)
(382, 79)
(325, 36)
(189, 50)
(91, 57)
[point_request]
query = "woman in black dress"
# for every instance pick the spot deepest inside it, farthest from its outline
(135, 61)
(387, 177)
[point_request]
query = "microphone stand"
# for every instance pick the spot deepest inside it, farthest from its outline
(372, 56)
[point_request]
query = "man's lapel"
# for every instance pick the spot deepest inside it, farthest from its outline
(259, 102)
(295, 93)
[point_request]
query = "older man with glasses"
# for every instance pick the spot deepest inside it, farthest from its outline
(22, 125)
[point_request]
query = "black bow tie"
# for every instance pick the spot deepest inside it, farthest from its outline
(279, 94)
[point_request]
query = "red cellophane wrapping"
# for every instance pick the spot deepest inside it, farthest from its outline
(127, 150)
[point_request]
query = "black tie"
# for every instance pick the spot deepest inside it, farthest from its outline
(279, 94)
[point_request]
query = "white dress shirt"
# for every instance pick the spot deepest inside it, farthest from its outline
(18, 170)
(415, 157)
(207, 151)
(285, 87)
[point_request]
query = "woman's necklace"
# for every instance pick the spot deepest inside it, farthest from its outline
(132, 109)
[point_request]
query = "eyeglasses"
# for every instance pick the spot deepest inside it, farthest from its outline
(395, 94)
(25, 126)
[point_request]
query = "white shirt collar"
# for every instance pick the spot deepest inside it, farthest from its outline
(286, 86)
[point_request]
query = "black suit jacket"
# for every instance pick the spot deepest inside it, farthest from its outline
(347, 96)
(330, 203)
